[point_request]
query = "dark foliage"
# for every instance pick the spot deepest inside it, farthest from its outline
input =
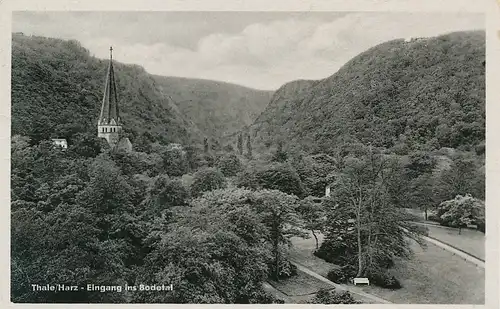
(384, 280)
(280, 155)
(329, 297)
(249, 153)
(286, 270)
(338, 252)
(424, 94)
(205, 180)
(229, 164)
(273, 177)
(342, 275)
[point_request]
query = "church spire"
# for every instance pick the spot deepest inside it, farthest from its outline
(109, 110)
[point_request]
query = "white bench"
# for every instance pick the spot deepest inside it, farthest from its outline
(361, 281)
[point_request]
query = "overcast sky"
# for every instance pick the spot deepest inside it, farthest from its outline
(256, 49)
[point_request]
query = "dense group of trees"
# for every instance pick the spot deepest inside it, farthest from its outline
(120, 218)
(201, 220)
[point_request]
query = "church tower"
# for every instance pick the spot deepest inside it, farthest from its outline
(109, 124)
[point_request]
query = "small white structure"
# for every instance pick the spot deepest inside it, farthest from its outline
(361, 281)
(327, 191)
(60, 142)
(175, 146)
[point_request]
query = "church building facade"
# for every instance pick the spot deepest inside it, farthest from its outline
(109, 124)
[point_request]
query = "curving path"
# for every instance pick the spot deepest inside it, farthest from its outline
(465, 255)
(343, 287)
(456, 251)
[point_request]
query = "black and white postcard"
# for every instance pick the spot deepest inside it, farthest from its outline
(300, 153)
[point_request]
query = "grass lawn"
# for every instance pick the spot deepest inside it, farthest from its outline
(432, 276)
(302, 252)
(470, 241)
(299, 285)
(435, 276)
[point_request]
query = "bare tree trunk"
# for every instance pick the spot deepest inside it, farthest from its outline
(425, 212)
(277, 258)
(276, 247)
(360, 256)
(315, 238)
(360, 249)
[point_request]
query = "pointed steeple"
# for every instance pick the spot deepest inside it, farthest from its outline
(109, 110)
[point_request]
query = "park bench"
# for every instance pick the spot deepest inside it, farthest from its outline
(361, 281)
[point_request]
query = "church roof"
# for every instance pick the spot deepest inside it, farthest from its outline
(109, 109)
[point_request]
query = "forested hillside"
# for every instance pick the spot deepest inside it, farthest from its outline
(57, 90)
(405, 95)
(217, 108)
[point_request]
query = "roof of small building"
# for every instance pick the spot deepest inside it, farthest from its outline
(124, 144)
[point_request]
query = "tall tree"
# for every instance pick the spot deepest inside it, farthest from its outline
(249, 147)
(465, 176)
(381, 230)
(313, 215)
(421, 193)
(279, 211)
(240, 143)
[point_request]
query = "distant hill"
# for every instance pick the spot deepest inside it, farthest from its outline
(217, 108)
(57, 90)
(424, 93)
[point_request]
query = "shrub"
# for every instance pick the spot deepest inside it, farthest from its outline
(260, 297)
(207, 179)
(328, 297)
(342, 275)
(338, 251)
(384, 280)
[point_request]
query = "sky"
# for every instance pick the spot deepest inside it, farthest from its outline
(261, 50)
